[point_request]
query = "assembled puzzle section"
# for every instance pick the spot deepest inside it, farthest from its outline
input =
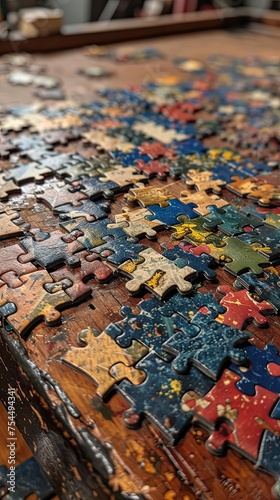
(120, 201)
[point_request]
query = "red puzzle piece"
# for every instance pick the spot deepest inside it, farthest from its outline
(236, 419)
(242, 308)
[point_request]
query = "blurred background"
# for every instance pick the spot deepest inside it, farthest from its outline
(82, 11)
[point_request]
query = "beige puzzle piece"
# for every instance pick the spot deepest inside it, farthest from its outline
(158, 132)
(104, 361)
(106, 142)
(123, 176)
(148, 195)
(135, 224)
(202, 181)
(202, 200)
(157, 273)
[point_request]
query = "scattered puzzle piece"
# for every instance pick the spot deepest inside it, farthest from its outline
(157, 273)
(104, 361)
(8, 226)
(11, 268)
(267, 289)
(91, 234)
(242, 308)
(169, 215)
(229, 220)
(193, 230)
(149, 195)
(203, 181)
(88, 209)
(201, 263)
(34, 301)
(49, 249)
(202, 200)
(59, 195)
(135, 223)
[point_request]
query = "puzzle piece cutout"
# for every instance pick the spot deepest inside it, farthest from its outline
(90, 267)
(259, 371)
(149, 195)
(158, 397)
(214, 344)
(34, 301)
(49, 249)
(135, 223)
(237, 420)
(267, 289)
(242, 308)
(104, 362)
(157, 273)
(30, 480)
(169, 215)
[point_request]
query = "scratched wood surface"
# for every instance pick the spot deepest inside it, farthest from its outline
(45, 415)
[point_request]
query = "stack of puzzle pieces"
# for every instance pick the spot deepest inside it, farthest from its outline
(175, 189)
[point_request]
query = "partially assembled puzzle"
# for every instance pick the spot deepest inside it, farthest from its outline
(171, 193)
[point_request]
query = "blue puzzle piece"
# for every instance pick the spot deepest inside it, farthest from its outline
(128, 159)
(268, 289)
(91, 234)
(149, 327)
(230, 220)
(257, 373)
(187, 306)
(168, 215)
(200, 263)
(29, 479)
(123, 249)
(94, 188)
(210, 349)
(159, 397)
(266, 236)
(87, 208)
(269, 457)
(188, 146)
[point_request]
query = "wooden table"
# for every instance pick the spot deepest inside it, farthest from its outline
(65, 425)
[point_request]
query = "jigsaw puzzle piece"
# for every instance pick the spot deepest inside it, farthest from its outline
(242, 187)
(149, 327)
(93, 188)
(119, 250)
(202, 200)
(229, 220)
(157, 273)
(260, 371)
(9, 227)
(158, 397)
(11, 269)
(236, 420)
(209, 349)
(265, 195)
(241, 308)
(49, 249)
(169, 215)
(188, 306)
(90, 267)
(201, 263)
(99, 358)
(124, 177)
(7, 188)
(267, 238)
(91, 234)
(238, 256)
(193, 230)
(135, 223)
(149, 195)
(30, 481)
(60, 194)
(267, 289)
(27, 172)
(203, 181)
(153, 168)
(88, 209)
(269, 458)
(34, 301)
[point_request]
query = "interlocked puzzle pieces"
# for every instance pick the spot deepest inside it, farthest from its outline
(209, 349)
(239, 420)
(104, 361)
